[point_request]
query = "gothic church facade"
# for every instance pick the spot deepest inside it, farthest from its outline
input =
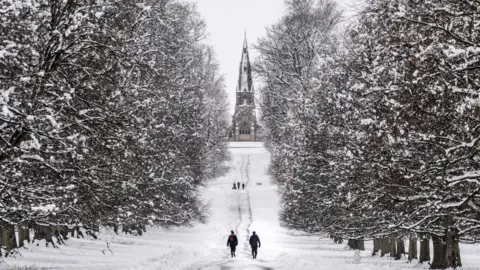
(244, 122)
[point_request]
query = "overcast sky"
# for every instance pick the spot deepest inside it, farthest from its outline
(227, 21)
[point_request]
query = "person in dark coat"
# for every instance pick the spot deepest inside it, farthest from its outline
(234, 186)
(238, 185)
(255, 244)
(232, 242)
(243, 185)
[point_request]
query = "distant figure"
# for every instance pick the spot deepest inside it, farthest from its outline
(238, 185)
(243, 185)
(234, 186)
(232, 242)
(254, 243)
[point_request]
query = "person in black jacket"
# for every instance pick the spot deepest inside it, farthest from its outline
(254, 243)
(232, 242)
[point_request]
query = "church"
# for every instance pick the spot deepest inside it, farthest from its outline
(244, 122)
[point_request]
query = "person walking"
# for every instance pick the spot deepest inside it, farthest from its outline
(232, 242)
(234, 186)
(255, 244)
(238, 185)
(243, 185)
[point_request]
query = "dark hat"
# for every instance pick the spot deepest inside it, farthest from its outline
(232, 232)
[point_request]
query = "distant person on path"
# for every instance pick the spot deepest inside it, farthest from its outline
(232, 242)
(234, 186)
(238, 185)
(243, 185)
(254, 243)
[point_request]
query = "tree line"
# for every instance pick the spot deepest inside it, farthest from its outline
(374, 134)
(113, 113)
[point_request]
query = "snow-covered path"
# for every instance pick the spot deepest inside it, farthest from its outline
(249, 165)
(203, 246)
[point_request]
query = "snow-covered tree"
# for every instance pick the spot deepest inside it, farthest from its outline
(294, 109)
(107, 116)
(382, 135)
(422, 79)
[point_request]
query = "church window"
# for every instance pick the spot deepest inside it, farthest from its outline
(244, 129)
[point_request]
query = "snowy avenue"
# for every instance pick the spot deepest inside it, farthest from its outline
(204, 246)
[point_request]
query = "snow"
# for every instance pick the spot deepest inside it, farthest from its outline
(6, 111)
(98, 14)
(52, 121)
(203, 246)
(366, 121)
(31, 144)
(4, 97)
(34, 157)
(357, 257)
(44, 208)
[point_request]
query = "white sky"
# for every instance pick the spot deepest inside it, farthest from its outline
(226, 22)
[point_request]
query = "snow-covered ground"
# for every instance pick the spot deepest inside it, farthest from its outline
(203, 246)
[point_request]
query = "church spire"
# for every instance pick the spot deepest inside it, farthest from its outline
(245, 72)
(244, 121)
(245, 39)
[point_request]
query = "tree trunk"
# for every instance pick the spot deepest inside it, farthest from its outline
(393, 247)
(337, 240)
(115, 228)
(452, 256)
(439, 253)
(58, 233)
(412, 249)
(400, 249)
(361, 244)
(376, 246)
(384, 244)
(23, 234)
(353, 243)
(1, 240)
(8, 238)
(44, 232)
(424, 248)
(63, 232)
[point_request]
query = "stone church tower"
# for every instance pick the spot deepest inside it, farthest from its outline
(245, 120)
